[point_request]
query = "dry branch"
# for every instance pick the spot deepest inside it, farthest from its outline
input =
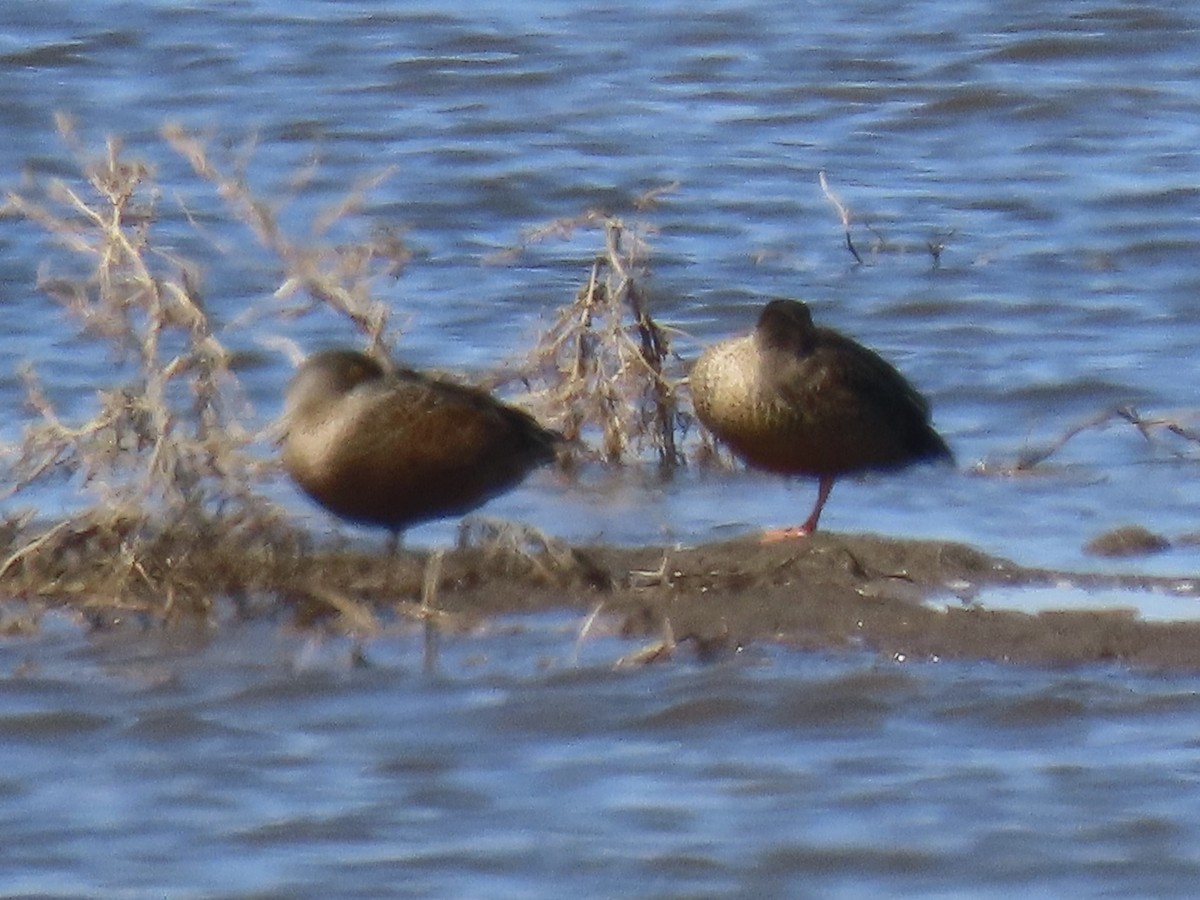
(843, 213)
(165, 452)
(1149, 428)
(600, 371)
(340, 277)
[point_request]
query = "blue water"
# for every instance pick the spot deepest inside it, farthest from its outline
(259, 764)
(1051, 147)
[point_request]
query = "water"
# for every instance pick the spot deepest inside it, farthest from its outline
(260, 764)
(1052, 147)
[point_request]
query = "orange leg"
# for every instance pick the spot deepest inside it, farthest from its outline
(810, 524)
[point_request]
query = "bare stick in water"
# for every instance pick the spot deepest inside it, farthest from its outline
(842, 212)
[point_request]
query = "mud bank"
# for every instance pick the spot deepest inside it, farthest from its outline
(899, 598)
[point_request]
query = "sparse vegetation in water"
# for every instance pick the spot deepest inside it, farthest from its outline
(166, 457)
(172, 465)
(604, 367)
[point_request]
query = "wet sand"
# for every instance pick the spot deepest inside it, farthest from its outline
(828, 591)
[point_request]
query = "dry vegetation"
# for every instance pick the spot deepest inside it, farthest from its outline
(603, 368)
(880, 244)
(167, 451)
(175, 521)
(316, 271)
(1173, 434)
(169, 466)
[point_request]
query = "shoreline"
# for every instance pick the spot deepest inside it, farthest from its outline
(900, 598)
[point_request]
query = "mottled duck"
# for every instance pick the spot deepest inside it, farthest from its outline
(395, 447)
(799, 399)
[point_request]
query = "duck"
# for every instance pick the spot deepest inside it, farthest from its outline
(796, 398)
(389, 446)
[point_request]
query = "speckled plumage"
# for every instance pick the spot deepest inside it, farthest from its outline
(395, 448)
(798, 399)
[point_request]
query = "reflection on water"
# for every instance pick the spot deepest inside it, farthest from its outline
(1051, 147)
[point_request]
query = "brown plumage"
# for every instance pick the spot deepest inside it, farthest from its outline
(395, 448)
(799, 399)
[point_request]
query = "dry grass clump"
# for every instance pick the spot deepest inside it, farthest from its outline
(167, 465)
(522, 550)
(317, 271)
(172, 515)
(167, 442)
(601, 370)
(113, 564)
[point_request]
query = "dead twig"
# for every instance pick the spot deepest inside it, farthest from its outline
(843, 213)
(657, 651)
(601, 370)
(339, 277)
(170, 431)
(1147, 427)
(431, 634)
(584, 630)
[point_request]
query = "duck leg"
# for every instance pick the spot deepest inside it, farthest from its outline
(810, 524)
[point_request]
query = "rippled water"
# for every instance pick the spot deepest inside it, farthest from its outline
(258, 764)
(1052, 148)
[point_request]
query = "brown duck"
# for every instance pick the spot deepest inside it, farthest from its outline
(396, 447)
(799, 399)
